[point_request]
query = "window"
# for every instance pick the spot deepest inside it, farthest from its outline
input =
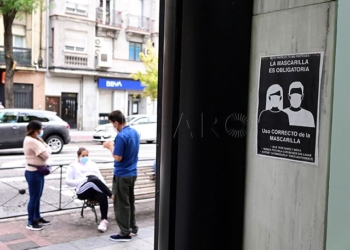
(142, 120)
(134, 51)
(136, 7)
(8, 117)
(75, 41)
(19, 41)
(29, 116)
(76, 8)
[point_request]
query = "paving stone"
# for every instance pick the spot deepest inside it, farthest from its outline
(11, 237)
(23, 246)
(65, 246)
(90, 243)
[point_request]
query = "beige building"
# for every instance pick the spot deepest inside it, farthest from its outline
(29, 52)
(94, 46)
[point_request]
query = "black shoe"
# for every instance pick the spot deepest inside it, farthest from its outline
(134, 231)
(34, 227)
(44, 222)
(117, 237)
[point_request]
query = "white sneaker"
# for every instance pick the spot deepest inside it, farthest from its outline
(103, 226)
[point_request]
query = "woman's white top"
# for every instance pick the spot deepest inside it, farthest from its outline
(77, 173)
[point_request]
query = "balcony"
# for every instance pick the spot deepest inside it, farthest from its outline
(76, 8)
(113, 18)
(108, 23)
(22, 56)
(75, 61)
(138, 24)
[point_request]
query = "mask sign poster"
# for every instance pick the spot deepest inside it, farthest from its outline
(288, 107)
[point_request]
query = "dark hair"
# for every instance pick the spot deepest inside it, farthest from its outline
(80, 150)
(33, 126)
(117, 116)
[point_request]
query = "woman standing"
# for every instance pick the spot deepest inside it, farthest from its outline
(36, 153)
(85, 175)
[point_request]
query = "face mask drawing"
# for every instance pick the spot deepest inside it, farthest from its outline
(84, 160)
(275, 100)
(295, 100)
(41, 133)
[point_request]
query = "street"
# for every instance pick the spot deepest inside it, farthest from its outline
(14, 157)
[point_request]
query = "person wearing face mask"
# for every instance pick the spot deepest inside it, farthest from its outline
(124, 149)
(273, 117)
(85, 176)
(36, 153)
(297, 115)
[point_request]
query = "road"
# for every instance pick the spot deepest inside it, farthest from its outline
(15, 158)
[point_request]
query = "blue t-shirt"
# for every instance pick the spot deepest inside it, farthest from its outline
(126, 145)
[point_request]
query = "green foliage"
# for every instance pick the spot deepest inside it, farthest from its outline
(148, 78)
(14, 6)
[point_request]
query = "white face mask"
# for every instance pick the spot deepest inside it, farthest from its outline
(275, 100)
(295, 100)
(41, 133)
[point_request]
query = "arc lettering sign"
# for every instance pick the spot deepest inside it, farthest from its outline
(288, 107)
(122, 84)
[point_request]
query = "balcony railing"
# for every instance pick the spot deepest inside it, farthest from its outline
(22, 56)
(113, 18)
(138, 23)
(77, 8)
(76, 61)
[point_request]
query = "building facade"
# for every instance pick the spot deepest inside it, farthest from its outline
(94, 47)
(28, 51)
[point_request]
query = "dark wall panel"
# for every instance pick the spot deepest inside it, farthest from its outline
(204, 100)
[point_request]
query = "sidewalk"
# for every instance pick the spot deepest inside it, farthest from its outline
(69, 231)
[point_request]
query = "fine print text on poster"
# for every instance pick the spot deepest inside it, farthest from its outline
(288, 103)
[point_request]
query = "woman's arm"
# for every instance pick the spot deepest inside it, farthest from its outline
(98, 172)
(44, 151)
(72, 177)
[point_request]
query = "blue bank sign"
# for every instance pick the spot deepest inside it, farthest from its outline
(108, 83)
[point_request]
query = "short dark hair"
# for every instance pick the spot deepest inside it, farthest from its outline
(33, 126)
(117, 116)
(81, 150)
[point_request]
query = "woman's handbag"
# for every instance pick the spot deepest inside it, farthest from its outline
(44, 170)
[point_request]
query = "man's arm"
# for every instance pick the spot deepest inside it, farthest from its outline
(110, 146)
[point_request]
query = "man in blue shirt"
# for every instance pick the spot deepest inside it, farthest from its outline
(125, 150)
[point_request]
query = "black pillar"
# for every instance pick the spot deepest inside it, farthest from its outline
(202, 115)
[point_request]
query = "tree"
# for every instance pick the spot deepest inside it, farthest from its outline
(148, 78)
(9, 9)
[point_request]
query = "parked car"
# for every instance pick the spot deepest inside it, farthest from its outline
(146, 125)
(13, 128)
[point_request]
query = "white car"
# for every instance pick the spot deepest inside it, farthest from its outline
(146, 125)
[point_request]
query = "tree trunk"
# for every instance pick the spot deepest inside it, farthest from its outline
(8, 49)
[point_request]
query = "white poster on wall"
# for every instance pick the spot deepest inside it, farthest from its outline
(288, 106)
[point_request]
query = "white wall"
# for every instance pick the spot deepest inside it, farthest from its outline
(89, 108)
(55, 85)
(286, 201)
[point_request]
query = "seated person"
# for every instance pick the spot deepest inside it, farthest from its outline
(85, 175)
